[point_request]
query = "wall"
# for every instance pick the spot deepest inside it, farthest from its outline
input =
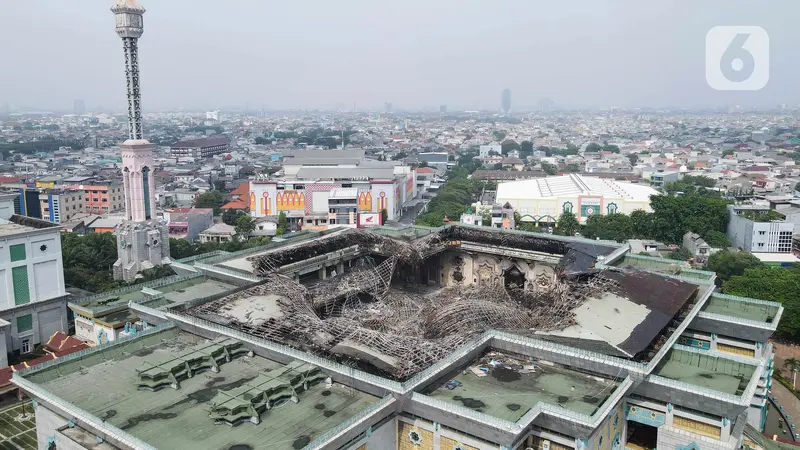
(47, 422)
(611, 433)
(459, 267)
(45, 270)
(383, 437)
(47, 317)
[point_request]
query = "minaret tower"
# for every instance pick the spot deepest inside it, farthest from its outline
(142, 240)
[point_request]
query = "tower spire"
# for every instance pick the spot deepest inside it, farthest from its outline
(142, 239)
(130, 26)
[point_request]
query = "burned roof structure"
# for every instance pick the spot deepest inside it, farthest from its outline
(383, 313)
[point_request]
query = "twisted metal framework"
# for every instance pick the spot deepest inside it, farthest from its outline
(131, 49)
(358, 317)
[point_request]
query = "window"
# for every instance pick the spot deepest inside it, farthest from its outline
(24, 323)
(146, 185)
(17, 252)
(760, 244)
(19, 276)
(567, 207)
(26, 346)
(612, 208)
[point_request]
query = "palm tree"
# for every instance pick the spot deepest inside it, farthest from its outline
(793, 364)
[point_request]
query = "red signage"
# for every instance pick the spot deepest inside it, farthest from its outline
(367, 220)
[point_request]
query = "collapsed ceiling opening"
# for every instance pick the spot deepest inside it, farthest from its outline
(360, 318)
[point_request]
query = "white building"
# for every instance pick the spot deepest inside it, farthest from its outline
(750, 229)
(32, 295)
(545, 199)
(484, 150)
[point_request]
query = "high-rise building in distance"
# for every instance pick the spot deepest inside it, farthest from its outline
(387, 107)
(442, 108)
(79, 107)
(505, 101)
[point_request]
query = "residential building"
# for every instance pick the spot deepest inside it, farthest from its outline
(484, 150)
(32, 294)
(218, 233)
(697, 246)
(200, 148)
(759, 229)
(99, 197)
(658, 179)
(437, 160)
(59, 206)
(188, 223)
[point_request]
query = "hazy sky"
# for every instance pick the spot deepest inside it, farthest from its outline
(412, 53)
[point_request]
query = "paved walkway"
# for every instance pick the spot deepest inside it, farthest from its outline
(790, 403)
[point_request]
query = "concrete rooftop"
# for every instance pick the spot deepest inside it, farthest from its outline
(508, 392)
(179, 418)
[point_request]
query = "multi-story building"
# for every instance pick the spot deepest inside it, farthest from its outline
(59, 206)
(659, 179)
(324, 188)
(100, 197)
(759, 229)
(32, 295)
(188, 223)
(27, 202)
(200, 148)
(629, 351)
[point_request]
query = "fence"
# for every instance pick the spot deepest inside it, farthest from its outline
(350, 423)
(571, 351)
(136, 287)
(446, 363)
(227, 271)
(693, 389)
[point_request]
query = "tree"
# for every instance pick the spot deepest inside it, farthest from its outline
(261, 141)
(525, 149)
(210, 199)
(593, 147)
(633, 158)
(486, 218)
(611, 148)
(281, 227)
(567, 224)
(793, 364)
(642, 223)
(673, 216)
(777, 285)
(549, 168)
(681, 254)
(508, 145)
(229, 216)
(244, 226)
(219, 185)
(573, 168)
(717, 239)
(499, 135)
(614, 227)
(384, 215)
(731, 264)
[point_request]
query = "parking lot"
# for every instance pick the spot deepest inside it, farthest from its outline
(15, 433)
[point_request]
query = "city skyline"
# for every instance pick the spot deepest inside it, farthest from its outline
(331, 57)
